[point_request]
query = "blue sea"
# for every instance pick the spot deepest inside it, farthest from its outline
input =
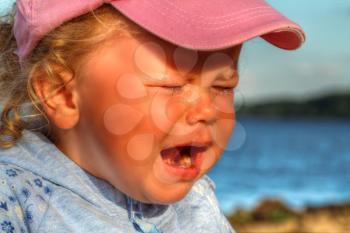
(302, 162)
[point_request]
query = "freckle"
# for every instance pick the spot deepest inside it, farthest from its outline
(130, 87)
(121, 119)
(185, 59)
(140, 147)
(150, 58)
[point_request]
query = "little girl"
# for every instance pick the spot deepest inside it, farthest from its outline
(114, 111)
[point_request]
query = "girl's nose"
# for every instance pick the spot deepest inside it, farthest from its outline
(202, 109)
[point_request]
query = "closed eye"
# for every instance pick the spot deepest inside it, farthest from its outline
(173, 89)
(224, 90)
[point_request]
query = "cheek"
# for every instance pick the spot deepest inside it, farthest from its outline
(225, 106)
(130, 87)
(96, 96)
(140, 146)
(120, 119)
(224, 128)
(130, 127)
(221, 133)
(165, 111)
(114, 105)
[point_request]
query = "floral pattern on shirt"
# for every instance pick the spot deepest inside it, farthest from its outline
(6, 226)
(17, 201)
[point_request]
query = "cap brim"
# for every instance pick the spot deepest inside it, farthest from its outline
(218, 25)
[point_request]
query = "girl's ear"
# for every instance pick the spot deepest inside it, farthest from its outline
(59, 98)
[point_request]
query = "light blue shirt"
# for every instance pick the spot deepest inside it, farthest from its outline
(42, 190)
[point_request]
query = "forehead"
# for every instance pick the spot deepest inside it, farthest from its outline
(178, 57)
(155, 55)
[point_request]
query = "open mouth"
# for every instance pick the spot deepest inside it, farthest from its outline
(183, 156)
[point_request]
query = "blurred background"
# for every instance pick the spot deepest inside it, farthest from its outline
(287, 166)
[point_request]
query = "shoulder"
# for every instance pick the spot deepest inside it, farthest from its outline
(204, 185)
(24, 198)
(203, 194)
(204, 207)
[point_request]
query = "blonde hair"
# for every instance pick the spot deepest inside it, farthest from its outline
(60, 48)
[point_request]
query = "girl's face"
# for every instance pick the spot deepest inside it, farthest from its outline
(140, 98)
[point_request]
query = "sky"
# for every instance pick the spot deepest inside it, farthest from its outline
(320, 67)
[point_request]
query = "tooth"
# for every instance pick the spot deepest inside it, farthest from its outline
(185, 162)
(169, 161)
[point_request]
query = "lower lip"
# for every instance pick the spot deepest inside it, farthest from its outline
(186, 173)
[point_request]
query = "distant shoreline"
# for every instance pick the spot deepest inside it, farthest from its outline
(330, 106)
(273, 216)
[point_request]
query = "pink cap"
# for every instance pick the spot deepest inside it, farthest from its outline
(194, 24)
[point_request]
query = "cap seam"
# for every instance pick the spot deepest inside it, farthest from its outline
(239, 14)
(206, 47)
(243, 21)
(219, 17)
(232, 24)
(225, 25)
